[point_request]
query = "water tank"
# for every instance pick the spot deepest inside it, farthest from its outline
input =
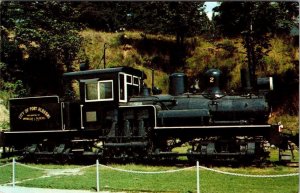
(177, 85)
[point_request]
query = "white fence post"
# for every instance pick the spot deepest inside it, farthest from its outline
(97, 175)
(13, 172)
(198, 178)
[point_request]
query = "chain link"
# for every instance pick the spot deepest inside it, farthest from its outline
(249, 175)
(5, 165)
(143, 172)
(47, 169)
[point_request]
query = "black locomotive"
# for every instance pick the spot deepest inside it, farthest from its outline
(117, 117)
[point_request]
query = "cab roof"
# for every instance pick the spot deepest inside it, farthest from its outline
(88, 74)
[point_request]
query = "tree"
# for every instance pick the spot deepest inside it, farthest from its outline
(176, 18)
(38, 41)
(265, 17)
(258, 21)
(182, 19)
(104, 15)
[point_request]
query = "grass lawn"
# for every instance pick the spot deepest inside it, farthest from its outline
(182, 181)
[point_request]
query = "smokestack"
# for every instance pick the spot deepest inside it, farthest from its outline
(245, 80)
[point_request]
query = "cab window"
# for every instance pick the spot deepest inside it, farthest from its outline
(99, 91)
(105, 90)
(129, 85)
(91, 91)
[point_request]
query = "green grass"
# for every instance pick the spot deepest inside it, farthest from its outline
(21, 173)
(183, 181)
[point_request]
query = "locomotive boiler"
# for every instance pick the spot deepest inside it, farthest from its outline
(117, 117)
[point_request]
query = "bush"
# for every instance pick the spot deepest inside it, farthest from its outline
(12, 90)
(228, 48)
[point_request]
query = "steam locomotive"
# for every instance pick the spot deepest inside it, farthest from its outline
(118, 117)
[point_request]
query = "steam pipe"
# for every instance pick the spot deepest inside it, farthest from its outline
(152, 79)
(104, 57)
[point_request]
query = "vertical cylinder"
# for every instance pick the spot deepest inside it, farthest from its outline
(152, 79)
(13, 172)
(198, 178)
(245, 80)
(177, 84)
(97, 175)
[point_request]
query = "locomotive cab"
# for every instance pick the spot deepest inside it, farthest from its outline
(114, 85)
(101, 91)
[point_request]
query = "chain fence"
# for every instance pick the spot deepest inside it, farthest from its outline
(98, 166)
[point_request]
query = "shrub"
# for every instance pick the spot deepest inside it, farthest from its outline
(12, 90)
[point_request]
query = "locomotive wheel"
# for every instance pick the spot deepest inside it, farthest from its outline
(192, 158)
(65, 156)
(29, 154)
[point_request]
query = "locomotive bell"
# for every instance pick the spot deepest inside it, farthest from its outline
(84, 65)
(212, 79)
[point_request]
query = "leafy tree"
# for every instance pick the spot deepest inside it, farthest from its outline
(182, 19)
(258, 21)
(104, 15)
(177, 18)
(39, 40)
(265, 17)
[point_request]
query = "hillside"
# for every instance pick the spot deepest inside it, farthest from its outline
(158, 52)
